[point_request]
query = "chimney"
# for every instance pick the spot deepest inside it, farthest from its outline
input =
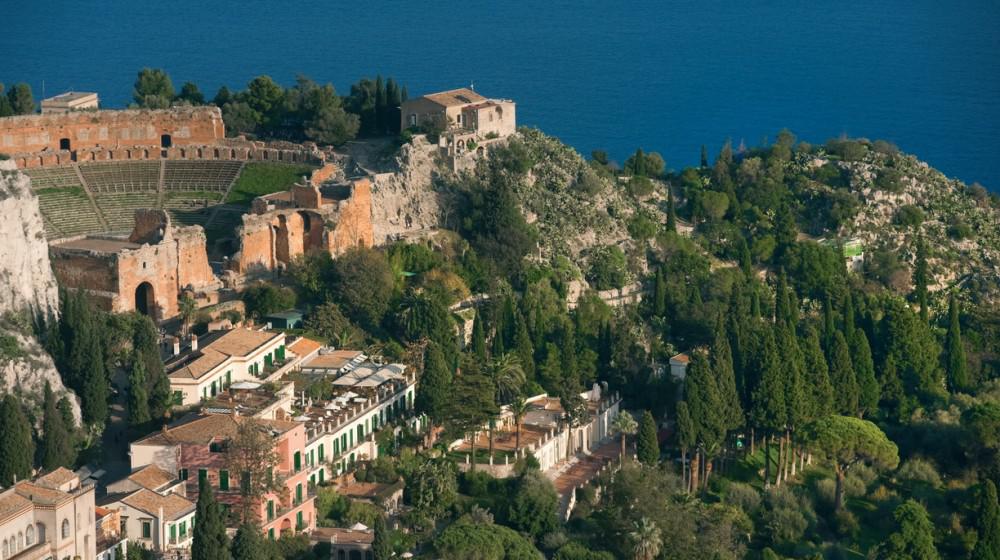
(177, 345)
(194, 342)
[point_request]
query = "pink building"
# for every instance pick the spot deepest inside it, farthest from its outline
(195, 449)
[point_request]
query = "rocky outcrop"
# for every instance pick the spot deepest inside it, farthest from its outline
(28, 291)
(26, 279)
(404, 202)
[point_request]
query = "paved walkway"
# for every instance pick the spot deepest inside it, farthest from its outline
(583, 468)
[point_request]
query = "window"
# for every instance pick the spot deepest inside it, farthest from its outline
(298, 493)
(223, 480)
(270, 510)
(182, 474)
(147, 529)
(229, 379)
(65, 528)
(321, 475)
(202, 476)
(215, 389)
(29, 535)
(270, 533)
(215, 447)
(173, 533)
(184, 529)
(298, 461)
(361, 433)
(245, 481)
(322, 446)
(299, 524)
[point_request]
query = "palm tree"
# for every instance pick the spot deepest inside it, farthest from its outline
(625, 425)
(647, 540)
(508, 377)
(518, 408)
(187, 307)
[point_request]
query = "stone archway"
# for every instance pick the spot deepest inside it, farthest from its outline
(145, 300)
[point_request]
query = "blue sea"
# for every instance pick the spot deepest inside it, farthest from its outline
(664, 76)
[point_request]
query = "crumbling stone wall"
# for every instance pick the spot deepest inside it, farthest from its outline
(168, 259)
(354, 221)
(110, 129)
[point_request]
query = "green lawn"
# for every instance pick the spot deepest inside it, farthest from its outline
(259, 178)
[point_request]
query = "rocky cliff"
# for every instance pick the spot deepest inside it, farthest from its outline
(28, 290)
(404, 202)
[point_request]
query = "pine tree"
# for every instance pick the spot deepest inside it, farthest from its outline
(210, 540)
(864, 371)
(915, 538)
(16, 447)
(920, 279)
(478, 343)
(845, 383)
(248, 543)
(434, 391)
(958, 376)
(671, 211)
(381, 546)
(56, 441)
(817, 376)
(648, 444)
(988, 524)
(138, 402)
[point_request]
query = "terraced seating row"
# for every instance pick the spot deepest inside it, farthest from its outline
(121, 177)
(190, 208)
(67, 212)
(53, 177)
(119, 208)
(200, 175)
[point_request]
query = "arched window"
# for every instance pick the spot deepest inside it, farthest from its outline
(20, 541)
(65, 528)
(29, 535)
(4, 551)
(41, 531)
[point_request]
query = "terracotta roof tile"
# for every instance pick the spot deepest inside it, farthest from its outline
(42, 495)
(305, 346)
(11, 503)
(174, 506)
(57, 478)
(455, 97)
(201, 430)
(152, 477)
(237, 342)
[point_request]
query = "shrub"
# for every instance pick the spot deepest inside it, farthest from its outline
(826, 490)
(607, 268)
(846, 524)
(743, 496)
(587, 182)
(889, 180)
(785, 516)
(640, 186)
(959, 230)
(641, 227)
(920, 470)
(909, 216)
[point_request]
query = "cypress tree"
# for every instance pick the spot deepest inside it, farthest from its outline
(845, 383)
(864, 370)
(671, 211)
(746, 261)
(647, 444)
(704, 157)
(659, 293)
(782, 313)
(56, 441)
(702, 395)
(16, 448)
(146, 346)
(138, 403)
(524, 349)
(725, 376)
(381, 546)
(829, 327)
(849, 322)
(958, 376)
(478, 338)
(381, 100)
(915, 538)
(687, 436)
(550, 369)
(210, 540)
(567, 347)
(434, 392)
(920, 278)
(248, 543)
(817, 376)
(988, 523)
(95, 389)
(769, 410)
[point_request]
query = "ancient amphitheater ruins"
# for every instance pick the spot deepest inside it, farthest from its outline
(127, 197)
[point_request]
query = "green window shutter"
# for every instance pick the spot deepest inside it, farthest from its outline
(202, 475)
(321, 471)
(147, 530)
(184, 529)
(182, 474)
(173, 533)
(270, 510)
(298, 521)
(321, 447)
(298, 461)
(223, 480)
(270, 533)
(298, 493)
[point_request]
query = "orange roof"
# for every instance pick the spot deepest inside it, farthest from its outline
(57, 478)
(237, 342)
(152, 477)
(305, 346)
(174, 506)
(202, 430)
(11, 503)
(41, 495)
(455, 97)
(682, 358)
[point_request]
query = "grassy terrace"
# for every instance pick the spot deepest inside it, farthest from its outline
(265, 178)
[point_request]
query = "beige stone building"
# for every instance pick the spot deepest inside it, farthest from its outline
(468, 120)
(49, 518)
(70, 101)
